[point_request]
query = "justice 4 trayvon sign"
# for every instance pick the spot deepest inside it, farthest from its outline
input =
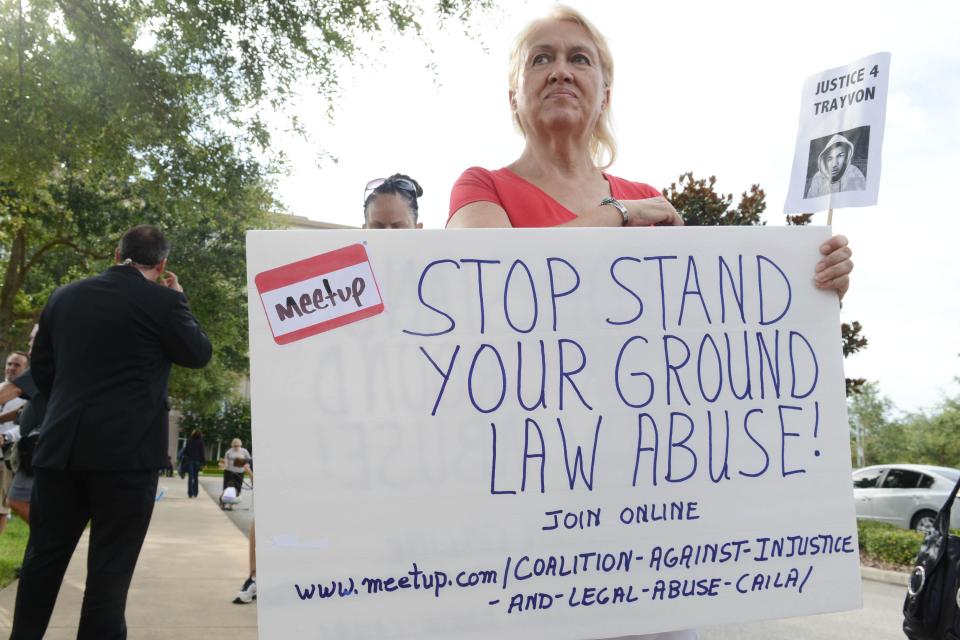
(546, 433)
(836, 162)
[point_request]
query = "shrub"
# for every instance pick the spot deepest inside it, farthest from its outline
(889, 544)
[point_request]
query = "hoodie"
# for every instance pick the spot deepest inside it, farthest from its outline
(848, 178)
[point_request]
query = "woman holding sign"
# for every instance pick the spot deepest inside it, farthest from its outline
(561, 74)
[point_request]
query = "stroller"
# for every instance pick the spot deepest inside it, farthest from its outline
(229, 498)
(233, 483)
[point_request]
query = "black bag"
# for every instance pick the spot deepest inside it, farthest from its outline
(25, 447)
(932, 608)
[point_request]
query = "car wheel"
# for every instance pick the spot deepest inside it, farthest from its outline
(923, 521)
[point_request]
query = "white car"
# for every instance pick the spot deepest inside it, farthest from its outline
(905, 495)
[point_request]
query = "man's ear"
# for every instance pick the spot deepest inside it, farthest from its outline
(116, 255)
(161, 266)
(513, 100)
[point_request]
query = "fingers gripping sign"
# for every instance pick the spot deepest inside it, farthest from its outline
(833, 270)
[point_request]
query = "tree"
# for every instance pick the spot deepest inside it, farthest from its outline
(698, 203)
(116, 112)
(853, 342)
(881, 437)
(230, 419)
(931, 437)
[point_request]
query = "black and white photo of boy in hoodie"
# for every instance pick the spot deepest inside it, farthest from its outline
(836, 172)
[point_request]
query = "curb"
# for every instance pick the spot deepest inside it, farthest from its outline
(883, 575)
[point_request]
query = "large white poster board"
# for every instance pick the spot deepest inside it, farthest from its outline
(840, 137)
(546, 433)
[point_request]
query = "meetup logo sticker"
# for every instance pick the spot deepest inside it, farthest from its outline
(318, 294)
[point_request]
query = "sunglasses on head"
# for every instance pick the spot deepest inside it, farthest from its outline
(401, 183)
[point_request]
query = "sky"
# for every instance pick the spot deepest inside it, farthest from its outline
(712, 88)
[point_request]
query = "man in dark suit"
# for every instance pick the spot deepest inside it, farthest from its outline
(102, 358)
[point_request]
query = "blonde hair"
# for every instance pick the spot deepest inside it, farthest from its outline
(237, 442)
(602, 142)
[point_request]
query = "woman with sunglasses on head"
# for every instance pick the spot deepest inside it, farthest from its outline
(561, 74)
(388, 203)
(391, 203)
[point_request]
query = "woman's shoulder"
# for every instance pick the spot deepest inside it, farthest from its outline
(480, 177)
(476, 172)
(476, 184)
(629, 190)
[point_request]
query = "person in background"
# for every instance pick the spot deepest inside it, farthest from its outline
(195, 456)
(30, 419)
(391, 203)
(236, 462)
(388, 203)
(17, 363)
(560, 84)
(102, 359)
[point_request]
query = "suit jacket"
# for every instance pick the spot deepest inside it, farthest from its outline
(102, 358)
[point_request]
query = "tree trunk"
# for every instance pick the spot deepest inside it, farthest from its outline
(12, 282)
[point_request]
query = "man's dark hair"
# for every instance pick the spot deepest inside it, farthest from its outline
(144, 244)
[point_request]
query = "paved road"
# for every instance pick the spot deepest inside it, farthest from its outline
(241, 514)
(879, 619)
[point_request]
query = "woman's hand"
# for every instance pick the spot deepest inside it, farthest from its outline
(833, 270)
(651, 212)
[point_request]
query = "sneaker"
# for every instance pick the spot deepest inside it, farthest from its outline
(247, 593)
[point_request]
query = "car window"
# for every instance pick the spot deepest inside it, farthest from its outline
(925, 481)
(867, 479)
(901, 479)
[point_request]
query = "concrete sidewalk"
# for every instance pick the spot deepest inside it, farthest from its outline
(193, 562)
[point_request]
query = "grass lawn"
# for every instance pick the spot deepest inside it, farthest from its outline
(13, 541)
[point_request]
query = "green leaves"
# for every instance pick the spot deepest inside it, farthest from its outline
(119, 112)
(884, 543)
(220, 423)
(924, 437)
(700, 205)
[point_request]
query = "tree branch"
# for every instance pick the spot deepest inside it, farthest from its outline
(53, 244)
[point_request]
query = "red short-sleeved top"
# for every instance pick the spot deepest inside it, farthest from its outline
(526, 204)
